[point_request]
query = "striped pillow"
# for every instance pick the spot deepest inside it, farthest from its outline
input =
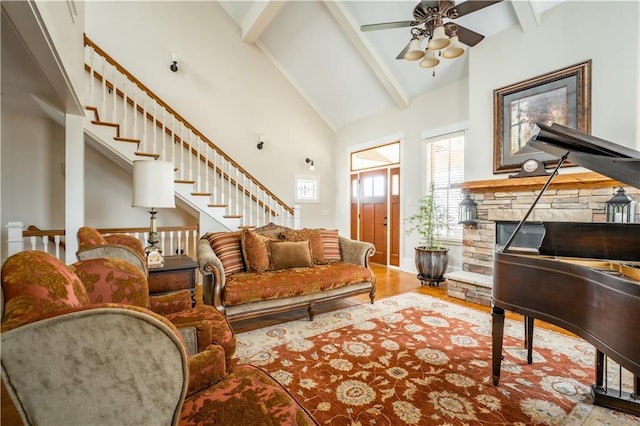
(331, 245)
(226, 245)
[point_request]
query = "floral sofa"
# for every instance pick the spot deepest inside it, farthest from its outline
(272, 269)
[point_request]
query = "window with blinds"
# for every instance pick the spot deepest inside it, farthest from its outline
(445, 167)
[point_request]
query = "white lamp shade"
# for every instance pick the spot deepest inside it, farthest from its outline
(153, 184)
(454, 50)
(429, 60)
(415, 52)
(439, 39)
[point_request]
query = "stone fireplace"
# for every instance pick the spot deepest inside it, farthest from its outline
(573, 197)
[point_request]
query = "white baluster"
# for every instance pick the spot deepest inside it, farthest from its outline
(181, 146)
(114, 89)
(143, 123)
(206, 166)
(215, 178)
(104, 88)
(56, 239)
(125, 107)
(135, 113)
(154, 129)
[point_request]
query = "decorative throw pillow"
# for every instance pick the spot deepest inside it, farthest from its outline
(331, 244)
(315, 242)
(228, 247)
(290, 254)
(255, 250)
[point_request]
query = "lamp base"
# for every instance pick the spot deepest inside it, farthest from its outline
(153, 252)
(154, 258)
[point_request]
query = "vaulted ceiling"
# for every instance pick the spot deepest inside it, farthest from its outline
(346, 74)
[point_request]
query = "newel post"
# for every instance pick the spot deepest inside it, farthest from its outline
(15, 242)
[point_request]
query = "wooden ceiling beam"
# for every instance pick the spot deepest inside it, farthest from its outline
(258, 19)
(368, 52)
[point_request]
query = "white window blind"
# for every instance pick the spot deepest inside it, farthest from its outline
(445, 167)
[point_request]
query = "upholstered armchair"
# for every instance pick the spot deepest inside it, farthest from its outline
(78, 349)
(200, 325)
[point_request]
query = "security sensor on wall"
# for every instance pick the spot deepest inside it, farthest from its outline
(310, 163)
(260, 142)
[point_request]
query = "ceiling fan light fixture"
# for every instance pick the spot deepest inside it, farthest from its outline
(439, 39)
(454, 50)
(430, 60)
(415, 52)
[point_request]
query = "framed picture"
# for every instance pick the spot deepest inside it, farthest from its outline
(562, 96)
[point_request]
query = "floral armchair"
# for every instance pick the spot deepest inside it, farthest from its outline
(78, 347)
(200, 325)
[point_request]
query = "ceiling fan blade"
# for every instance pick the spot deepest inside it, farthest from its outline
(470, 6)
(468, 37)
(387, 25)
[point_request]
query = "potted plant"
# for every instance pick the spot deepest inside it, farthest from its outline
(430, 219)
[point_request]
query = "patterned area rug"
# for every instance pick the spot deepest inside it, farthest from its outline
(416, 360)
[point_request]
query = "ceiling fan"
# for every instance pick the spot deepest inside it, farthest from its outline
(433, 21)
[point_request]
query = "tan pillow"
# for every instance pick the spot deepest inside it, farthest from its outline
(290, 254)
(315, 242)
(255, 250)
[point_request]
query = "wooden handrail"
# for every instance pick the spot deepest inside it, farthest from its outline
(149, 116)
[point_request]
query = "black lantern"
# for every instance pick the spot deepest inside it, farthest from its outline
(467, 211)
(619, 209)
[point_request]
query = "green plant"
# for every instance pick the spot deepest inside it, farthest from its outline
(428, 221)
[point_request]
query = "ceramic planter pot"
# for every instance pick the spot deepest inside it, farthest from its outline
(431, 265)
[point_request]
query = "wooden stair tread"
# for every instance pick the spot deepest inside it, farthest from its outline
(201, 194)
(147, 154)
(104, 123)
(184, 181)
(217, 205)
(232, 216)
(122, 139)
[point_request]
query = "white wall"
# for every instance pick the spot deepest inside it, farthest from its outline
(442, 111)
(228, 89)
(572, 32)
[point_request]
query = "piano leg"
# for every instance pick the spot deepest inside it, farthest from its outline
(528, 337)
(497, 333)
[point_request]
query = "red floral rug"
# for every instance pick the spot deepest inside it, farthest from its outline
(416, 360)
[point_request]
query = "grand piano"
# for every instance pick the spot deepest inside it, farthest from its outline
(584, 277)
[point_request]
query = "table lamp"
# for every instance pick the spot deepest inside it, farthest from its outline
(153, 187)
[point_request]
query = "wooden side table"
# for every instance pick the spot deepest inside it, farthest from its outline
(177, 273)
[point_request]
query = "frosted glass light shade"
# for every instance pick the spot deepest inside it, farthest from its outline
(439, 39)
(429, 60)
(454, 50)
(153, 184)
(415, 52)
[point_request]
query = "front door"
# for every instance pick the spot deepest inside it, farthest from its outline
(373, 212)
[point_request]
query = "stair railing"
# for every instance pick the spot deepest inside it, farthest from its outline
(141, 117)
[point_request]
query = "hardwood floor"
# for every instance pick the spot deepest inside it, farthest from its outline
(390, 282)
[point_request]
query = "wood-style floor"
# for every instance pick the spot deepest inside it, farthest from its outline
(390, 282)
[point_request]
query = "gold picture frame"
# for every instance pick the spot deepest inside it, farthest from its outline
(562, 96)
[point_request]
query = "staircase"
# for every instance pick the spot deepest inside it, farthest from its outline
(127, 122)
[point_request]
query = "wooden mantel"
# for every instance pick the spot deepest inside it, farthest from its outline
(562, 181)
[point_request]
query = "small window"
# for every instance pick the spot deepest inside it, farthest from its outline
(307, 190)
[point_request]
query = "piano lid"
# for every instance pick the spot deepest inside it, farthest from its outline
(609, 159)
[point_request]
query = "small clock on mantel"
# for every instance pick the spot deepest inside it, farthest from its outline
(531, 167)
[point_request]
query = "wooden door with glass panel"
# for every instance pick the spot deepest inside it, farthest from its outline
(373, 212)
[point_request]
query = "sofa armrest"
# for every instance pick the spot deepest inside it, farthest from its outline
(212, 275)
(356, 252)
(206, 368)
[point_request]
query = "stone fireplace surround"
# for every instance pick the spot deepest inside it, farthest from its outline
(571, 197)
